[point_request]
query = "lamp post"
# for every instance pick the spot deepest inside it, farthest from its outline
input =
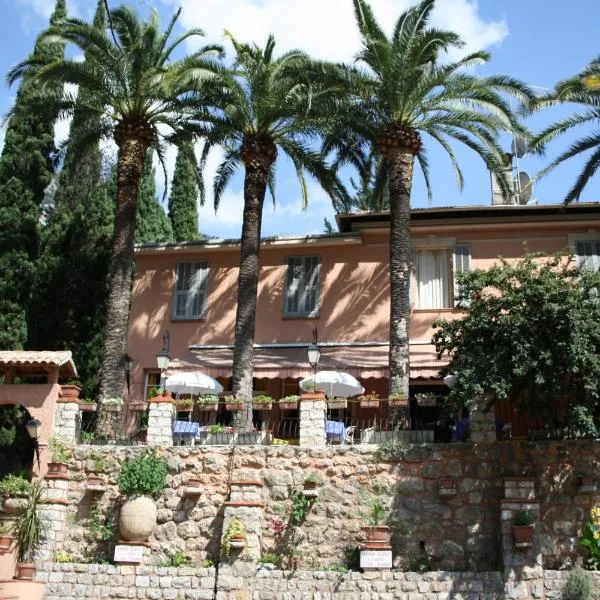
(33, 429)
(162, 358)
(314, 354)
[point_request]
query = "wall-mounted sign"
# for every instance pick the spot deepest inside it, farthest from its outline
(375, 559)
(128, 554)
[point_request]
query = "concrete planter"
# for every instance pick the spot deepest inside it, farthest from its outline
(137, 519)
(25, 571)
(522, 536)
(12, 504)
(88, 406)
(56, 468)
(69, 392)
(5, 542)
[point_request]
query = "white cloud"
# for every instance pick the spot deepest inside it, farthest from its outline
(326, 29)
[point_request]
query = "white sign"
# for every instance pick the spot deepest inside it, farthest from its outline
(128, 554)
(375, 559)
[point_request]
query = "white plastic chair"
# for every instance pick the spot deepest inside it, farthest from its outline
(349, 434)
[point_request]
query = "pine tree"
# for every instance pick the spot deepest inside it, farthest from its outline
(25, 172)
(183, 208)
(152, 223)
(68, 307)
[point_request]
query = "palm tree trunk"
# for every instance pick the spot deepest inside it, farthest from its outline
(255, 186)
(400, 183)
(132, 151)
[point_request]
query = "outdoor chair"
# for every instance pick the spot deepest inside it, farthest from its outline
(349, 434)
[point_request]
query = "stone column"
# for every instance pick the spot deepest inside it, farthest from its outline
(523, 567)
(161, 414)
(67, 421)
(313, 412)
(482, 422)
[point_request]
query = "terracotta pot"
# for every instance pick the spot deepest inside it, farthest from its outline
(377, 536)
(234, 406)
(369, 403)
(5, 542)
(522, 535)
(263, 406)
(208, 407)
(337, 404)
(95, 481)
(288, 405)
(70, 392)
(55, 468)
(137, 519)
(398, 403)
(195, 483)
(237, 541)
(88, 406)
(25, 571)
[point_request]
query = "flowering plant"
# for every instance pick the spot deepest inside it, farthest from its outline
(591, 539)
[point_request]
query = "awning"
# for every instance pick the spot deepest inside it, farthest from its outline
(360, 361)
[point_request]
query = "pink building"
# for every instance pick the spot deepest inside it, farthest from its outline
(337, 283)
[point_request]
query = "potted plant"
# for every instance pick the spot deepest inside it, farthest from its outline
(6, 537)
(378, 534)
(311, 484)
(184, 404)
(70, 391)
(234, 404)
(193, 487)
(112, 404)
(522, 529)
(426, 399)
(337, 403)
(208, 403)
(369, 400)
(87, 405)
(289, 402)
(262, 402)
(60, 454)
(235, 536)
(398, 400)
(141, 479)
(30, 529)
(447, 487)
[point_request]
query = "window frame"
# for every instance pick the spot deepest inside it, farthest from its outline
(202, 288)
(302, 314)
(148, 385)
(590, 237)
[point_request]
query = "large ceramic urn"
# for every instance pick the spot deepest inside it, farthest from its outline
(137, 519)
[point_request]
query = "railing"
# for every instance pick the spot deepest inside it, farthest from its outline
(372, 431)
(123, 425)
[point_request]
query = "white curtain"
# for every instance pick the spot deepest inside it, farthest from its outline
(432, 278)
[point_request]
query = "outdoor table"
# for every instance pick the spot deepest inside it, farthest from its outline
(185, 429)
(335, 431)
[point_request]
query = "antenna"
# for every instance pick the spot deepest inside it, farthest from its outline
(524, 186)
(519, 147)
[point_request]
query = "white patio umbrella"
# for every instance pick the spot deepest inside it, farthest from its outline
(192, 383)
(334, 383)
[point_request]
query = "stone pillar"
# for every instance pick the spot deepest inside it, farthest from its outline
(67, 421)
(523, 567)
(55, 507)
(482, 422)
(313, 412)
(161, 414)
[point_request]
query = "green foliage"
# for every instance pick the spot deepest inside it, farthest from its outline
(235, 528)
(580, 422)
(100, 525)
(301, 506)
(217, 428)
(207, 563)
(63, 557)
(183, 201)
(590, 540)
(313, 478)
(208, 399)
(523, 518)
(579, 586)
(152, 223)
(25, 172)
(11, 417)
(531, 332)
(178, 559)
(144, 475)
(14, 485)
(262, 399)
(31, 525)
(60, 451)
(269, 558)
(390, 450)
(376, 504)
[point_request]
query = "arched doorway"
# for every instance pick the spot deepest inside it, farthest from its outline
(16, 446)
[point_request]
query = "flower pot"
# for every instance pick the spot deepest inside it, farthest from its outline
(337, 404)
(369, 403)
(193, 488)
(237, 541)
(95, 484)
(447, 487)
(5, 542)
(56, 468)
(69, 392)
(288, 405)
(137, 519)
(88, 406)
(262, 406)
(398, 403)
(208, 407)
(25, 571)
(311, 489)
(378, 536)
(234, 406)
(522, 535)
(184, 407)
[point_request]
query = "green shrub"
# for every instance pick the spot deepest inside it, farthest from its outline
(31, 526)
(523, 518)
(578, 586)
(60, 451)
(8, 435)
(269, 558)
(14, 485)
(178, 559)
(143, 476)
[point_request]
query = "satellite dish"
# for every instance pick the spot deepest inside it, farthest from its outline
(519, 147)
(525, 187)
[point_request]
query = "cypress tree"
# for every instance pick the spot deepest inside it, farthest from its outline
(25, 172)
(68, 307)
(183, 207)
(152, 223)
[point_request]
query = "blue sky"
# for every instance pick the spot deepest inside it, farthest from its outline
(538, 42)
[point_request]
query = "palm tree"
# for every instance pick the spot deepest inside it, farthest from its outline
(139, 96)
(265, 105)
(582, 90)
(406, 95)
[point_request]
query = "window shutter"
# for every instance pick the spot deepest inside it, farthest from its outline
(294, 274)
(190, 290)
(588, 255)
(313, 275)
(461, 263)
(302, 286)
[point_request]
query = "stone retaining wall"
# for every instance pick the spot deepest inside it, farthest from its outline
(555, 580)
(458, 531)
(74, 581)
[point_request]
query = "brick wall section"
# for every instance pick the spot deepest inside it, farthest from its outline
(470, 519)
(74, 581)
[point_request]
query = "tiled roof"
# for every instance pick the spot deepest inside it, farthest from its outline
(60, 358)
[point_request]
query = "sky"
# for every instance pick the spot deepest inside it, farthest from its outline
(537, 41)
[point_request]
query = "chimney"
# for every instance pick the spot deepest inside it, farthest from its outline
(498, 198)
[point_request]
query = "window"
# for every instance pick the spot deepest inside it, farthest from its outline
(152, 384)
(588, 254)
(190, 290)
(302, 286)
(435, 269)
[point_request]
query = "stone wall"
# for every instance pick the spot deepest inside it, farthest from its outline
(74, 581)
(454, 531)
(555, 580)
